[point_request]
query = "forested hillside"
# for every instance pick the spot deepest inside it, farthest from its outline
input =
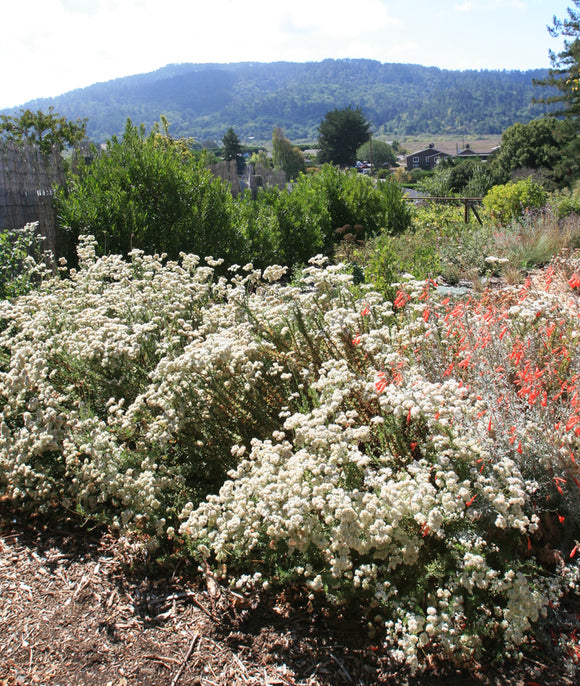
(204, 100)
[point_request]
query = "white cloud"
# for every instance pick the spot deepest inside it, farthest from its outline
(52, 46)
(489, 5)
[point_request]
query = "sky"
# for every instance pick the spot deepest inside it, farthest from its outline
(49, 47)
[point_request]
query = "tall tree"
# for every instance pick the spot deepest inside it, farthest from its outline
(287, 156)
(564, 76)
(44, 129)
(536, 146)
(340, 134)
(233, 149)
(565, 72)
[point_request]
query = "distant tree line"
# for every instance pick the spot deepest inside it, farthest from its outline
(203, 101)
(152, 191)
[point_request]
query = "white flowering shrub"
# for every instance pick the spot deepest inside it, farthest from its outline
(419, 455)
(125, 384)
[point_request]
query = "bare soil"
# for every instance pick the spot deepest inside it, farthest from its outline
(83, 608)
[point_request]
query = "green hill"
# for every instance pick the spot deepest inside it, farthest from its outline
(204, 100)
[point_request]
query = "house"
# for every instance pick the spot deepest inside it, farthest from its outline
(426, 158)
(468, 152)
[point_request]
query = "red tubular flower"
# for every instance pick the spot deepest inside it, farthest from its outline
(401, 299)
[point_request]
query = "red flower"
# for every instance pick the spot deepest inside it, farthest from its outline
(401, 299)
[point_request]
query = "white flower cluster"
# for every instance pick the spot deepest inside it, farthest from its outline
(365, 517)
(312, 427)
(75, 353)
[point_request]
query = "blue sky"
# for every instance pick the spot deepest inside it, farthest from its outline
(52, 46)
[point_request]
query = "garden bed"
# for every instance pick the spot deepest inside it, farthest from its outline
(81, 607)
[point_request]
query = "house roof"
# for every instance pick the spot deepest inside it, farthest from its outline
(428, 151)
(433, 151)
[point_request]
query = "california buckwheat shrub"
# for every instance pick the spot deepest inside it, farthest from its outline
(418, 454)
(334, 498)
(124, 385)
(406, 483)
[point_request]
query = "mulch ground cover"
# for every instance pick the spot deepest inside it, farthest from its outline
(81, 607)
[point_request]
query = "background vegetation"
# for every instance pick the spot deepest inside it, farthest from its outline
(146, 191)
(203, 100)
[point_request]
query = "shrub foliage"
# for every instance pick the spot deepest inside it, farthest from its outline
(417, 453)
(149, 192)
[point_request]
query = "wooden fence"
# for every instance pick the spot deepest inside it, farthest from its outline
(27, 181)
(468, 203)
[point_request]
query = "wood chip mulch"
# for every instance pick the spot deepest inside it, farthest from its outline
(81, 608)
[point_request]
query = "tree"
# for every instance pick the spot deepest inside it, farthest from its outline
(286, 156)
(340, 134)
(565, 72)
(564, 76)
(233, 149)
(382, 153)
(43, 129)
(538, 147)
(261, 158)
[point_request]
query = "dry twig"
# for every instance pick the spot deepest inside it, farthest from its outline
(185, 659)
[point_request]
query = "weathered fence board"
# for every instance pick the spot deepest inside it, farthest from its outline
(27, 181)
(258, 177)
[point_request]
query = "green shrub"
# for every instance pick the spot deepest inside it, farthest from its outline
(438, 215)
(257, 221)
(565, 202)
(290, 227)
(148, 192)
(412, 252)
(354, 199)
(20, 252)
(510, 201)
